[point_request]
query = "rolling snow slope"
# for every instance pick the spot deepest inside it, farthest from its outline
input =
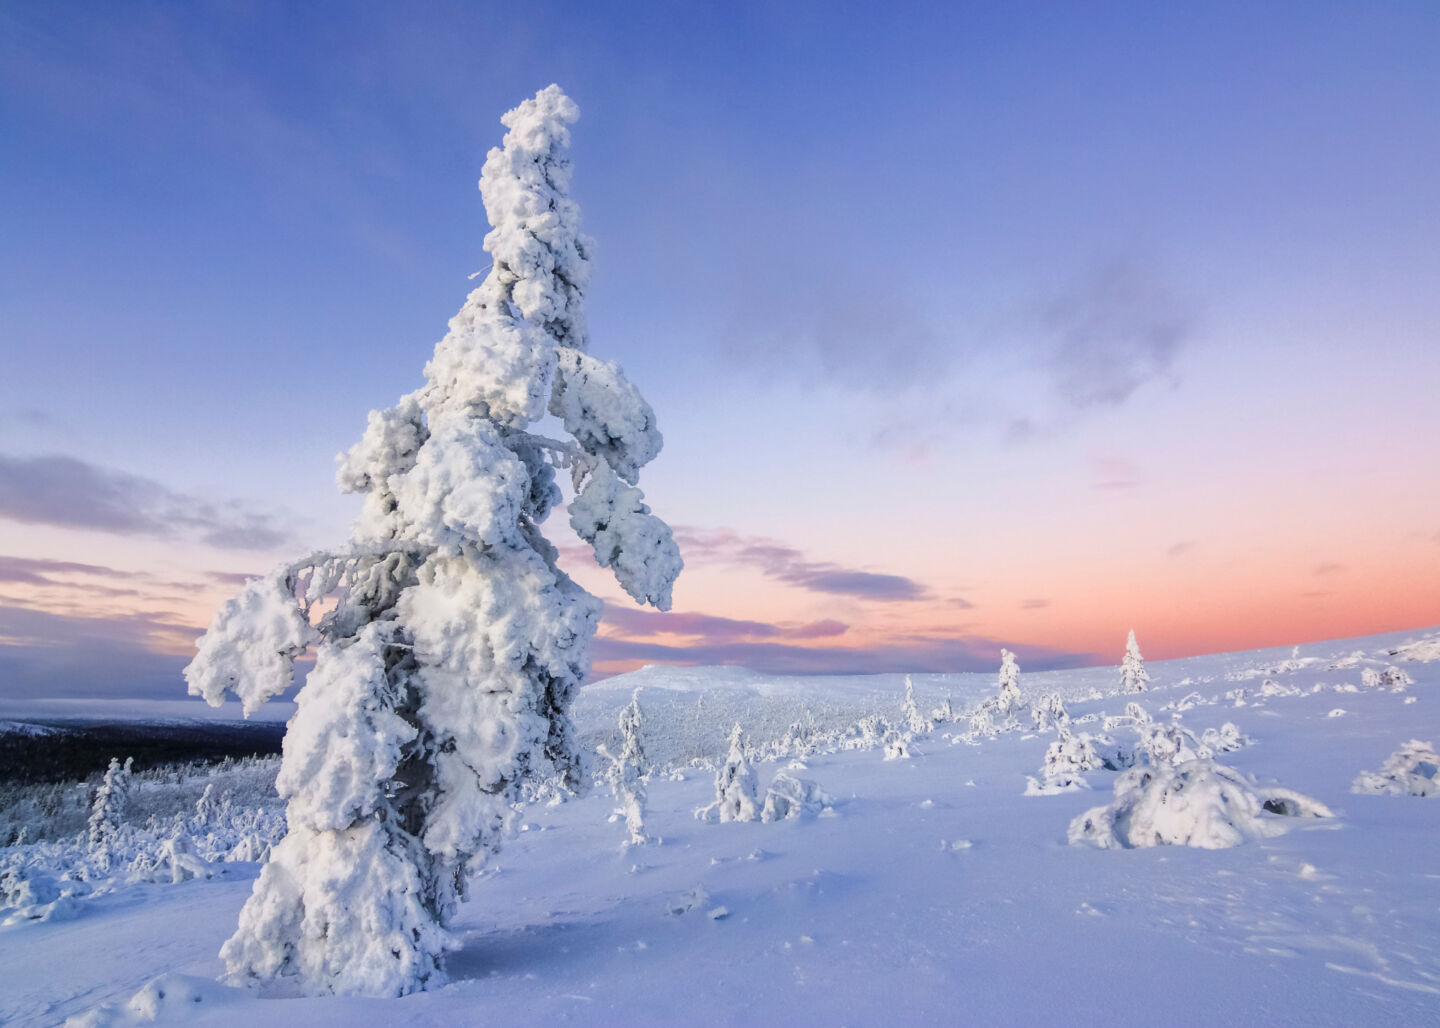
(933, 890)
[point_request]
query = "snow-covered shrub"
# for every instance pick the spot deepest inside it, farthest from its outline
(449, 644)
(1135, 716)
(982, 719)
(1412, 770)
(791, 797)
(1049, 712)
(736, 788)
(943, 714)
(1133, 676)
(867, 734)
(897, 745)
(1395, 679)
(1071, 756)
(179, 862)
(1067, 759)
(1225, 739)
(1199, 803)
(628, 770)
(1161, 743)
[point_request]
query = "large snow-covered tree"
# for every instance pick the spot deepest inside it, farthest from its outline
(448, 643)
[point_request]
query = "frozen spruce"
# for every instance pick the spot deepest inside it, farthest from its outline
(627, 772)
(448, 643)
(736, 789)
(107, 809)
(1412, 770)
(1199, 803)
(915, 722)
(1010, 702)
(1133, 676)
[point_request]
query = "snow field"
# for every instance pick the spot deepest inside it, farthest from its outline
(934, 890)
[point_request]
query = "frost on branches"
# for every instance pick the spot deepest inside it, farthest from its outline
(450, 643)
(1133, 676)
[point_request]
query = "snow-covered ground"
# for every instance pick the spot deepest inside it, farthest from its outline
(931, 890)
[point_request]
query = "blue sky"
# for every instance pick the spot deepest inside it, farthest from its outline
(1074, 317)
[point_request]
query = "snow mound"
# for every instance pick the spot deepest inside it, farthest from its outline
(1422, 650)
(167, 999)
(1197, 803)
(1412, 770)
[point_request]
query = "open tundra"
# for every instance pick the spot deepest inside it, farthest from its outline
(925, 888)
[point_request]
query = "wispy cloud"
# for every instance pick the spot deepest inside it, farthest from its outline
(1329, 569)
(864, 336)
(914, 653)
(1034, 604)
(1113, 473)
(34, 571)
(1181, 548)
(630, 622)
(1113, 333)
(70, 493)
(49, 655)
(791, 566)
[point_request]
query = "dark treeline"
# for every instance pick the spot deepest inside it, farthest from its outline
(79, 749)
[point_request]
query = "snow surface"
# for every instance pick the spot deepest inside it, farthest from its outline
(931, 890)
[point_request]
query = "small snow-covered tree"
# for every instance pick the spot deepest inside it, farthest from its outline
(1010, 699)
(915, 722)
(627, 771)
(1133, 676)
(112, 800)
(448, 642)
(736, 788)
(1049, 712)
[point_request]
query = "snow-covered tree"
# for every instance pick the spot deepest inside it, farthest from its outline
(112, 799)
(627, 771)
(1010, 699)
(915, 722)
(1049, 712)
(737, 792)
(448, 642)
(1133, 676)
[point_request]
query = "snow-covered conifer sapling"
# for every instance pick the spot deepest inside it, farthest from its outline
(1133, 676)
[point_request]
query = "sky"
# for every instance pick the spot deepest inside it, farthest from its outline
(967, 325)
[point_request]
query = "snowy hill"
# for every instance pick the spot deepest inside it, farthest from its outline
(929, 889)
